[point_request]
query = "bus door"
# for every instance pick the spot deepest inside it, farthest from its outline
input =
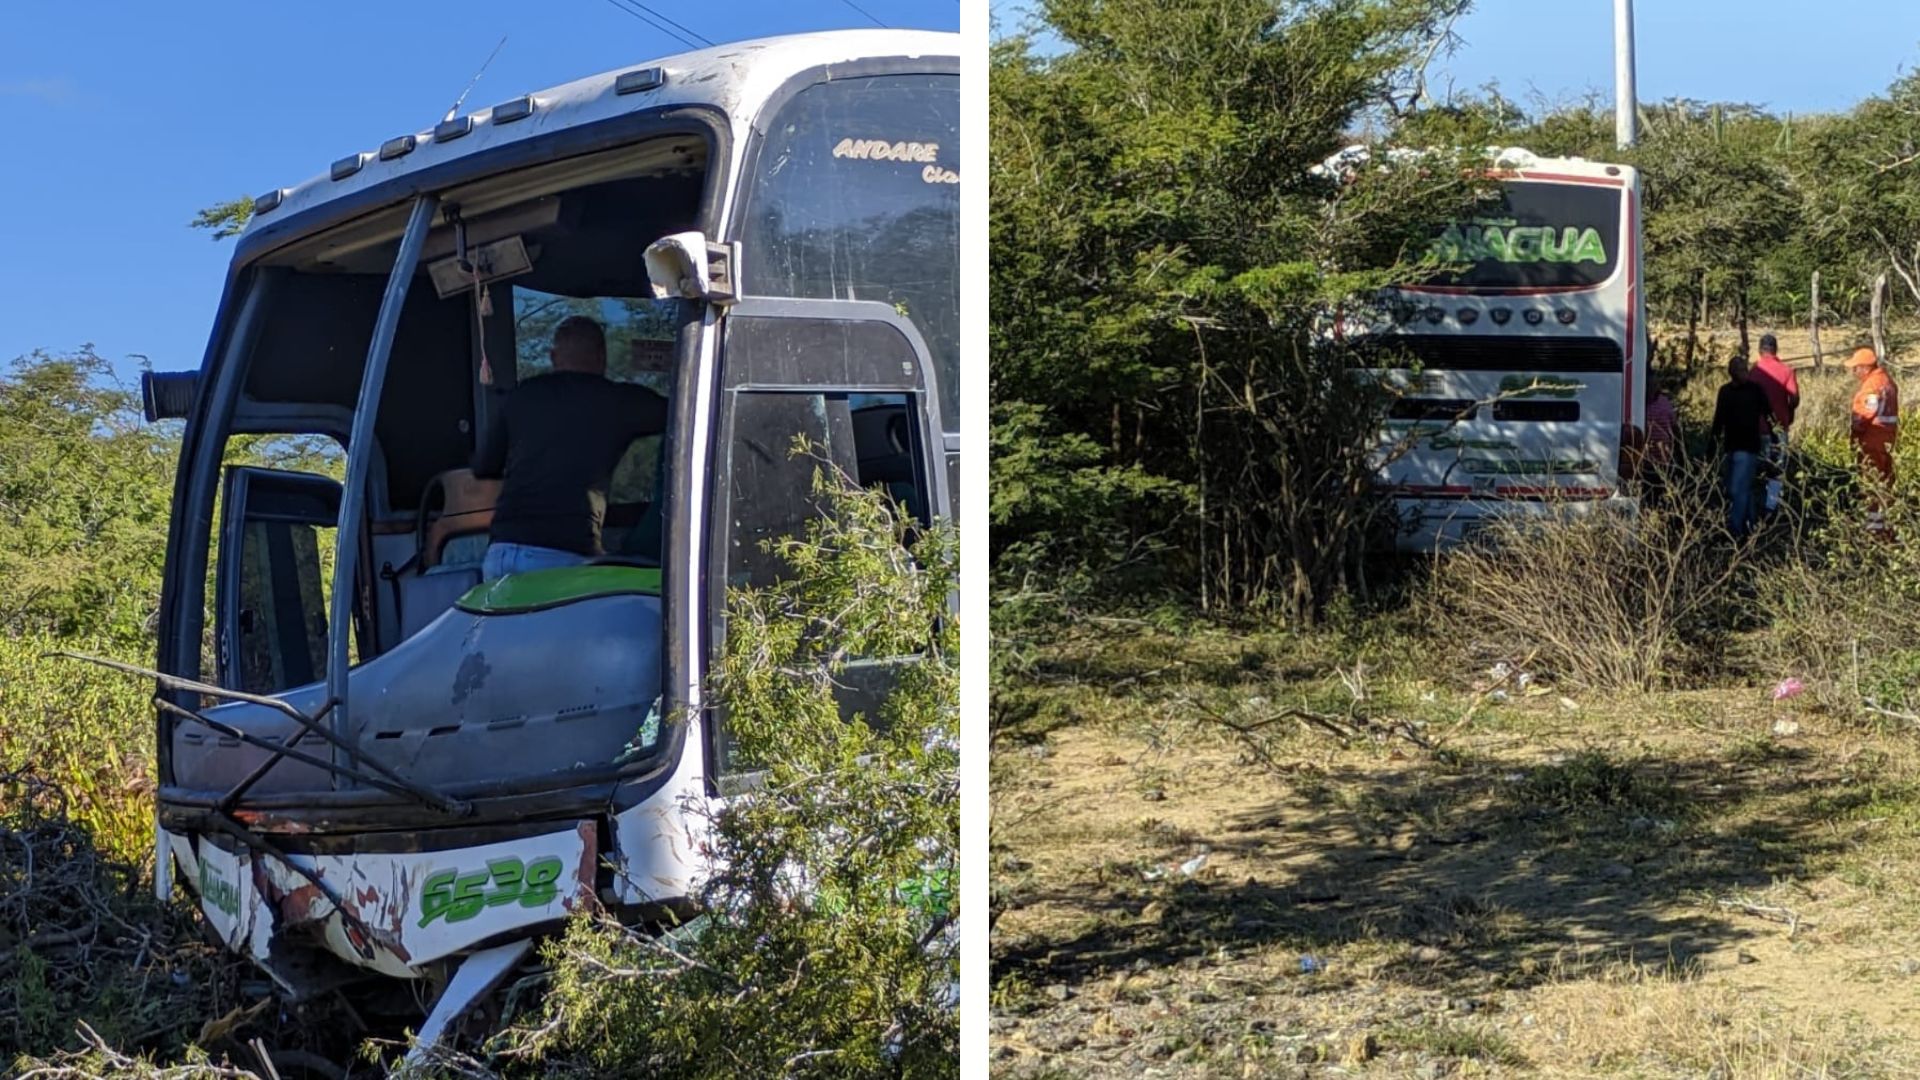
(844, 388)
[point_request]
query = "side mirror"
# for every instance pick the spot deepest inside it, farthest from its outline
(688, 266)
(168, 395)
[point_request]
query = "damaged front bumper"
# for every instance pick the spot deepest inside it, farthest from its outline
(323, 898)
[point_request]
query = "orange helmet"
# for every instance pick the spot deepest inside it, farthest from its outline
(1862, 357)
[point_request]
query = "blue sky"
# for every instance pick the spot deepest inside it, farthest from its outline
(1787, 54)
(123, 119)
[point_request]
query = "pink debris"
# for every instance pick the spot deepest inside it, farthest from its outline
(1788, 688)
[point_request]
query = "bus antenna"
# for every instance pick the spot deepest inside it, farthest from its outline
(455, 108)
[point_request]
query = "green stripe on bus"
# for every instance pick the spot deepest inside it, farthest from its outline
(538, 589)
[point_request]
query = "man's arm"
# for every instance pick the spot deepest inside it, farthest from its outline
(490, 453)
(642, 411)
(1719, 417)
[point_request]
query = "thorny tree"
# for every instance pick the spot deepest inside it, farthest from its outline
(1166, 262)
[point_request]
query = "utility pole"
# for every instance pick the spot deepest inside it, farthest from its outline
(1625, 103)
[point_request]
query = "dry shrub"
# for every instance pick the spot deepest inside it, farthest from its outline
(1841, 606)
(1642, 1021)
(1604, 600)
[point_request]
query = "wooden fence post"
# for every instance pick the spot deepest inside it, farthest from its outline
(1813, 322)
(1879, 315)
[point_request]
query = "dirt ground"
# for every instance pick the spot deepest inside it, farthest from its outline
(1191, 882)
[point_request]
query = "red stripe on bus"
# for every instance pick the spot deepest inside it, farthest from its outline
(1468, 290)
(1633, 290)
(1591, 181)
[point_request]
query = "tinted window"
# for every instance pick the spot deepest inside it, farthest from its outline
(1538, 412)
(282, 631)
(869, 437)
(856, 197)
(1548, 351)
(1541, 236)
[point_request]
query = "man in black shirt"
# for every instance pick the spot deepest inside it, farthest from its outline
(555, 441)
(1738, 416)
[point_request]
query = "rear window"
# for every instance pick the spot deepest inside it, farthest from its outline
(1542, 236)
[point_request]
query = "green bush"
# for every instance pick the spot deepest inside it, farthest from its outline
(825, 947)
(88, 731)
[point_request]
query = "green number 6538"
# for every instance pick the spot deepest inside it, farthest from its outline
(460, 896)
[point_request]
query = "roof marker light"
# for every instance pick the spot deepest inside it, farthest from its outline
(1535, 316)
(400, 146)
(518, 109)
(349, 165)
(1566, 316)
(449, 130)
(1467, 316)
(633, 82)
(1501, 316)
(266, 203)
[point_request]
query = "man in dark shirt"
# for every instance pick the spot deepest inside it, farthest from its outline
(1737, 417)
(555, 441)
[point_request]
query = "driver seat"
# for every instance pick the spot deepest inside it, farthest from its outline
(449, 548)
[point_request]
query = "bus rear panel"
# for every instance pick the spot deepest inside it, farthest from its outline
(1519, 381)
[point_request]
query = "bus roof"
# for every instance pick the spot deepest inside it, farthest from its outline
(733, 78)
(1505, 158)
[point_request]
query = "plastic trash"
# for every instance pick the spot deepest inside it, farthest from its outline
(1788, 688)
(1311, 964)
(1194, 865)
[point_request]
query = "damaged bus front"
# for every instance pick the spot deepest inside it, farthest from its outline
(372, 763)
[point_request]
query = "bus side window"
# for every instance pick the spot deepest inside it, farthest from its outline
(869, 438)
(866, 437)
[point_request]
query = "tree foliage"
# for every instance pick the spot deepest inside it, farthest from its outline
(1165, 261)
(826, 946)
(84, 492)
(225, 219)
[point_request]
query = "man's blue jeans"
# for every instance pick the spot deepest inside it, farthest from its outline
(1742, 467)
(504, 559)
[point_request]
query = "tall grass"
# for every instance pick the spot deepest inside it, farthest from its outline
(87, 731)
(1605, 601)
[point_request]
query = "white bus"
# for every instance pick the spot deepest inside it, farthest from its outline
(385, 769)
(1524, 376)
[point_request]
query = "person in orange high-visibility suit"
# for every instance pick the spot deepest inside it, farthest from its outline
(1876, 424)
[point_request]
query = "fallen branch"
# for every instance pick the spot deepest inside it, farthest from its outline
(1871, 706)
(1780, 914)
(1345, 729)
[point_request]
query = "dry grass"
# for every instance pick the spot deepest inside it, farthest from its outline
(1631, 1018)
(1604, 601)
(1553, 890)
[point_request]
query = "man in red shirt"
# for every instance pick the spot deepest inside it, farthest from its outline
(1776, 380)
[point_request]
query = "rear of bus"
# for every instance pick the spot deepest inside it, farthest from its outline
(1520, 380)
